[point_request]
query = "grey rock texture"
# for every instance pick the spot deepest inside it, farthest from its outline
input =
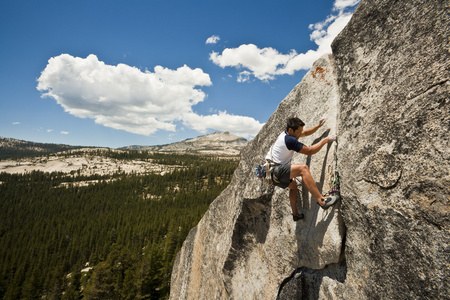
(385, 91)
(247, 244)
(393, 71)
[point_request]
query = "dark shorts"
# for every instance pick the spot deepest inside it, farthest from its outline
(282, 174)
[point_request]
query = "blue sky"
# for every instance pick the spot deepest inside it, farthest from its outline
(116, 73)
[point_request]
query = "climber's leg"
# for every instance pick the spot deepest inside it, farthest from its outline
(307, 179)
(293, 192)
(293, 197)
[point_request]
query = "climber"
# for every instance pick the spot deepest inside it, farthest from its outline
(283, 172)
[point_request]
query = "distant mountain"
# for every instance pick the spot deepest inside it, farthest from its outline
(18, 157)
(223, 143)
(217, 142)
(12, 148)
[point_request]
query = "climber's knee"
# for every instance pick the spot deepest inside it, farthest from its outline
(293, 185)
(299, 170)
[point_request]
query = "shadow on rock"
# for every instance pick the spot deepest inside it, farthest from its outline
(252, 226)
(305, 283)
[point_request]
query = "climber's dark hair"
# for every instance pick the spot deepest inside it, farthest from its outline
(294, 123)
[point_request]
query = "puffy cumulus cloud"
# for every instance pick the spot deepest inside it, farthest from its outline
(267, 63)
(125, 97)
(213, 39)
(262, 63)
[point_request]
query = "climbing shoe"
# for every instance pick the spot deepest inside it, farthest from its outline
(330, 201)
(298, 217)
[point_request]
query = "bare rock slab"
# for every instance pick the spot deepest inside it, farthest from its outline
(247, 243)
(386, 93)
(393, 66)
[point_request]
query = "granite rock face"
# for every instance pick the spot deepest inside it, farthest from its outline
(393, 67)
(385, 91)
(247, 244)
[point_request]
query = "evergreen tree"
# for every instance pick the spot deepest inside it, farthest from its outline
(73, 292)
(129, 229)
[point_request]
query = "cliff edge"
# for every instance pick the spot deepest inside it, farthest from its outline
(385, 90)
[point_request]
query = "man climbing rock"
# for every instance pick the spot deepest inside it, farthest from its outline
(283, 172)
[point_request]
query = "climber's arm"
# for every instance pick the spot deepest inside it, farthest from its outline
(313, 129)
(317, 146)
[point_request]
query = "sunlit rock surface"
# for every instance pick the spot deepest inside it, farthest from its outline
(385, 91)
(393, 72)
(247, 243)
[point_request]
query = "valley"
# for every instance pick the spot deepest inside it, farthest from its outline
(99, 223)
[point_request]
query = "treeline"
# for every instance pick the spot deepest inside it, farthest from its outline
(12, 148)
(127, 230)
(166, 158)
(181, 159)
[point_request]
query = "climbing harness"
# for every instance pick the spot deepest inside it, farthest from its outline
(265, 172)
(260, 171)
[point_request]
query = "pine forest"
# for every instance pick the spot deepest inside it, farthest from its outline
(115, 239)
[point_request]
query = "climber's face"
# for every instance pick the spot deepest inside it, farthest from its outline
(295, 133)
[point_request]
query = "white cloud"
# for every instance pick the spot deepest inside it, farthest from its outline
(15, 123)
(262, 63)
(343, 4)
(244, 76)
(213, 39)
(126, 98)
(49, 130)
(324, 37)
(64, 132)
(266, 63)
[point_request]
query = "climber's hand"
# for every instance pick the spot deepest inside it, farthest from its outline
(322, 121)
(332, 138)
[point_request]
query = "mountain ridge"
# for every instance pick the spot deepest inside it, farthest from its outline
(217, 142)
(17, 156)
(222, 143)
(16, 148)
